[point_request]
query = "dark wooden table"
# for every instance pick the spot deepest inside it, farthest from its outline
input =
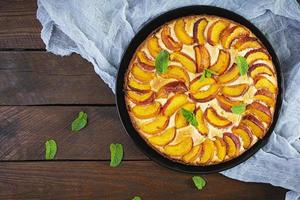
(40, 94)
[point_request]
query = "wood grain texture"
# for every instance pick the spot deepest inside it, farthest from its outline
(96, 180)
(37, 78)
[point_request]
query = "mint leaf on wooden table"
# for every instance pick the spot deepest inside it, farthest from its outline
(80, 122)
(116, 154)
(51, 149)
(162, 62)
(242, 65)
(199, 182)
(207, 74)
(137, 198)
(189, 116)
(238, 109)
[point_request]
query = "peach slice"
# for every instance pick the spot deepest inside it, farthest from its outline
(215, 30)
(256, 127)
(155, 126)
(168, 41)
(191, 156)
(222, 62)
(232, 33)
(197, 84)
(265, 96)
(140, 74)
(180, 121)
(174, 103)
(215, 119)
(208, 150)
(146, 111)
(164, 138)
(198, 31)
(142, 57)
(227, 103)
(206, 95)
(181, 34)
(141, 98)
(220, 148)
(202, 58)
(244, 133)
(202, 128)
(257, 54)
(234, 90)
(179, 149)
(185, 60)
(233, 144)
(175, 87)
(259, 69)
(177, 73)
(262, 82)
(260, 111)
(153, 46)
(230, 75)
(246, 43)
(138, 86)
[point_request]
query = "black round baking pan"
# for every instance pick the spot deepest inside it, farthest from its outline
(142, 34)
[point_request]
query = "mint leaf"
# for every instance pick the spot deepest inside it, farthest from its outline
(162, 62)
(116, 154)
(242, 65)
(207, 74)
(137, 198)
(238, 109)
(51, 149)
(189, 116)
(199, 182)
(80, 122)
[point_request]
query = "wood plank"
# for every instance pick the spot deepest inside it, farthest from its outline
(24, 130)
(19, 26)
(96, 180)
(37, 78)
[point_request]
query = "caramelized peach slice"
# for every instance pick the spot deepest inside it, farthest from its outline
(206, 95)
(168, 41)
(215, 30)
(202, 128)
(146, 111)
(262, 82)
(244, 133)
(230, 34)
(177, 73)
(198, 31)
(164, 138)
(246, 43)
(181, 34)
(234, 90)
(259, 69)
(197, 84)
(233, 144)
(185, 60)
(227, 103)
(255, 126)
(172, 87)
(153, 46)
(265, 96)
(174, 103)
(215, 119)
(180, 120)
(155, 126)
(222, 62)
(260, 111)
(140, 74)
(179, 149)
(202, 58)
(142, 57)
(138, 86)
(208, 150)
(230, 75)
(220, 148)
(257, 54)
(141, 97)
(191, 156)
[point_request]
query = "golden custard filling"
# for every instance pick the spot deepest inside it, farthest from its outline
(201, 90)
